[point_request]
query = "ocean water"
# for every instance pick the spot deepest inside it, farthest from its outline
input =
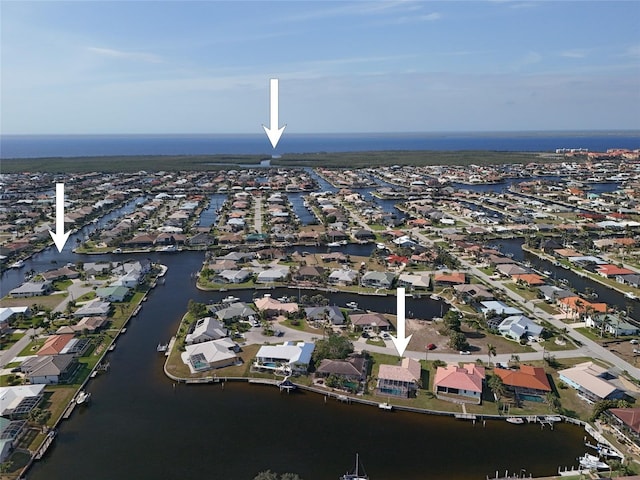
(32, 146)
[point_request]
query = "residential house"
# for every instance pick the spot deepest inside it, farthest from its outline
(94, 308)
(415, 280)
(508, 270)
(527, 382)
(369, 322)
(16, 402)
(235, 276)
(498, 308)
(289, 357)
(203, 356)
(49, 369)
(11, 431)
(529, 279)
(7, 313)
(472, 292)
(578, 306)
(611, 271)
(519, 327)
(331, 314)
(204, 330)
(459, 384)
(31, 289)
(235, 311)
(611, 323)
(310, 273)
(633, 280)
(275, 274)
(591, 381)
(450, 278)
(399, 380)
(113, 294)
(343, 277)
(270, 306)
(351, 370)
(626, 421)
(375, 279)
(552, 293)
(90, 324)
(55, 344)
(60, 274)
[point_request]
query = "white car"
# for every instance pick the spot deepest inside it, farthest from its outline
(633, 342)
(465, 352)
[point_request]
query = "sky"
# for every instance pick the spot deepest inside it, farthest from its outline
(163, 67)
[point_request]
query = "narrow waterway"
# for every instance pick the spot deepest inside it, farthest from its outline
(139, 426)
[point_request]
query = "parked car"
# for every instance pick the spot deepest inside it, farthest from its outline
(633, 342)
(465, 352)
(431, 346)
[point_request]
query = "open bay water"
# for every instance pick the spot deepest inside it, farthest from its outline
(32, 146)
(139, 426)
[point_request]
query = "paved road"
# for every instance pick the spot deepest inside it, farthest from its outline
(257, 218)
(6, 356)
(75, 290)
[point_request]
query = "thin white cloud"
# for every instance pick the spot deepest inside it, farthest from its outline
(573, 54)
(632, 51)
(357, 9)
(429, 17)
(136, 56)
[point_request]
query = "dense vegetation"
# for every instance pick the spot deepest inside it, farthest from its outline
(154, 163)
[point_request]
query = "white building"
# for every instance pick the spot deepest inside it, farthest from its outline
(206, 329)
(288, 357)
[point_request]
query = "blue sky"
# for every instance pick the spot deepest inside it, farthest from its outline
(398, 66)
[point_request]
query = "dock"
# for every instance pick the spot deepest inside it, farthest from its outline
(465, 416)
(45, 445)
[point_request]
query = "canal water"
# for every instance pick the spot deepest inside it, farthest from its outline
(139, 426)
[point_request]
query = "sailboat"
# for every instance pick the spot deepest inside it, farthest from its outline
(355, 475)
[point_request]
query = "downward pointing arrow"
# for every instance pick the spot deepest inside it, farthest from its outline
(273, 132)
(400, 342)
(59, 238)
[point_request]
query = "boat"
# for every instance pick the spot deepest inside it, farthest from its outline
(162, 347)
(17, 264)
(433, 296)
(592, 461)
(630, 296)
(168, 249)
(547, 273)
(385, 406)
(83, 397)
(230, 299)
(604, 450)
(380, 246)
(283, 299)
(552, 418)
(112, 347)
(352, 305)
(124, 330)
(334, 244)
(515, 420)
(355, 475)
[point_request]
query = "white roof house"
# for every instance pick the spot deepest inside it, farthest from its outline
(93, 308)
(499, 308)
(209, 355)
(11, 397)
(516, 327)
(591, 381)
(294, 356)
(206, 329)
(273, 274)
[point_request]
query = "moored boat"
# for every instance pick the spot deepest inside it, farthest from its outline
(515, 420)
(230, 299)
(355, 475)
(83, 398)
(352, 305)
(385, 406)
(591, 461)
(18, 264)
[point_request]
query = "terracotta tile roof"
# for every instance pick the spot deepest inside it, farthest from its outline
(526, 377)
(408, 372)
(613, 270)
(55, 344)
(468, 378)
(581, 305)
(529, 278)
(629, 416)
(453, 277)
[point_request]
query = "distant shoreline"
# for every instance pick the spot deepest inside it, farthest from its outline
(152, 163)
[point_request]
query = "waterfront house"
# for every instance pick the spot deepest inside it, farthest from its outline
(591, 381)
(330, 313)
(55, 344)
(350, 371)
(91, 268)
(113, 293)
(60, 274)
(610, 271)
(94, 308)
(274, 274)
(235, 276)
(208, 355)
(519, 327)
(90, 324)
(310, 273)
(626, 422)
(472, 292)
(551, 293)
(235, 311)
(526, 383)
(375, 279)
(459, 384)
(450, 278)
(204, 330)
(577, 306)
(16, 402)
(270, 306)
(288, 357)
(399, 380)
(11, 431)
(7, 313)
(49, 369)
(529, 279)
(508, 270)
(498, 308)
(31, 289)
(633, 280)
(369, 322)
(129, 280)
(415, 280)
(343, 277)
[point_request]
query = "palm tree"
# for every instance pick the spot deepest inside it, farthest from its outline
(496, 386)
(491, 351)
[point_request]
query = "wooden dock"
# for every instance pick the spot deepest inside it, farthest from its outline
(45, 445)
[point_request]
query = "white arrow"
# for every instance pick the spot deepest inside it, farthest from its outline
(400, 342)
(59, 238)
(273, 132)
